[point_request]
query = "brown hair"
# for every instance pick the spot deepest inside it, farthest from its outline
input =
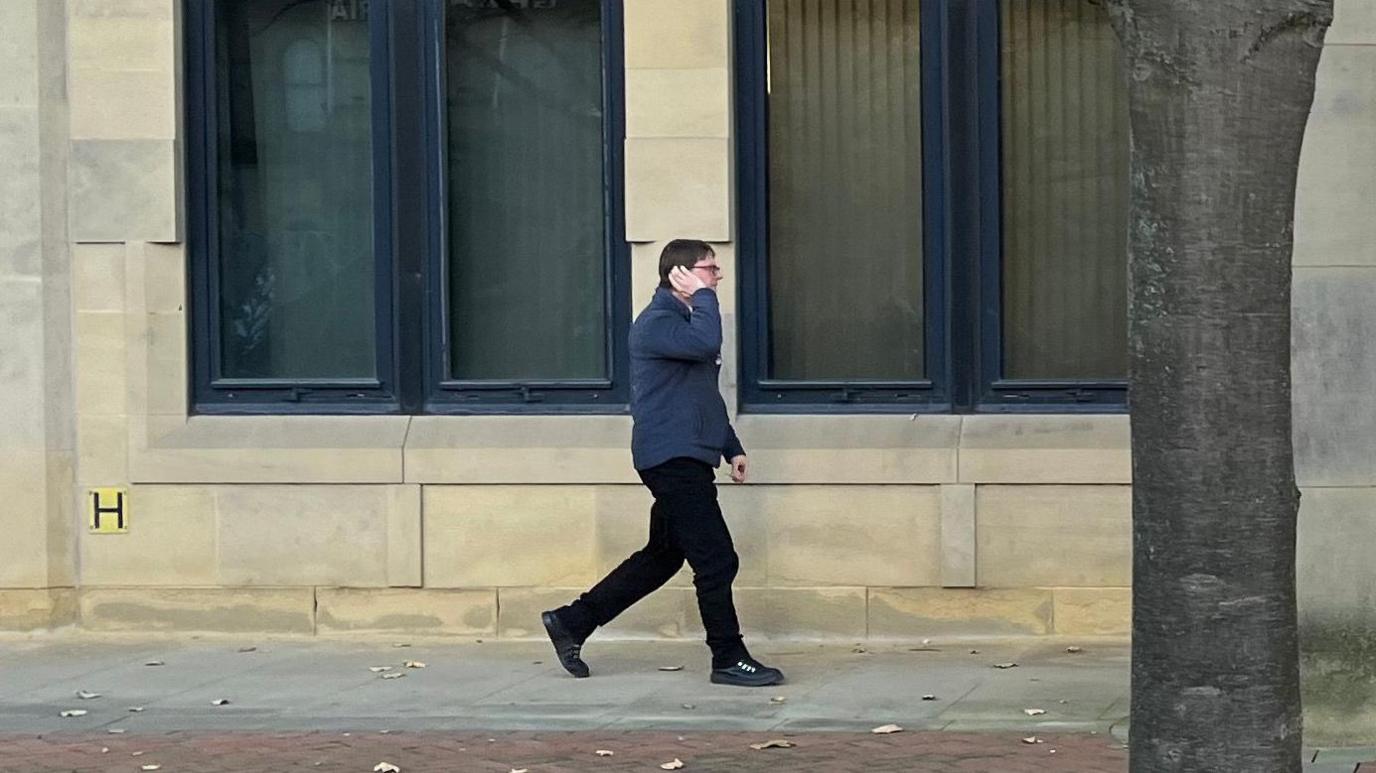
(681, 252)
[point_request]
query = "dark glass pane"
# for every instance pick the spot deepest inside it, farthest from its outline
(1065, 192)
(295, 190)
(527, 260)
(845, 190)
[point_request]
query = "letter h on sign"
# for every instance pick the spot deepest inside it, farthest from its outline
(109, 510)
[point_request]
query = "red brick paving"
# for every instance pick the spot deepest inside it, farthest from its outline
(557, 752)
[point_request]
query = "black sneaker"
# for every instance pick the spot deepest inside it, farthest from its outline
(565, 646)
(747, 672)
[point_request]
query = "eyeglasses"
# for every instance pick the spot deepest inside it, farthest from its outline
(716, 270)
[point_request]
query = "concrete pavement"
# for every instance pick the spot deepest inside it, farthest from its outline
(317, 703)
(325, 685)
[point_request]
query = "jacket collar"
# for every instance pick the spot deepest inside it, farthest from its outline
(664, 298)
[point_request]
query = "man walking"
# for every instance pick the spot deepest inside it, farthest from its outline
(681, 433)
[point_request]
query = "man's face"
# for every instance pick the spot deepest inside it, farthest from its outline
(708, 271)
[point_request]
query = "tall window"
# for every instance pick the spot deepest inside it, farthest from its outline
(933, 204)
(1065, 191)
(525, 158)
(845, 191)
(294, 165)
(406, 205)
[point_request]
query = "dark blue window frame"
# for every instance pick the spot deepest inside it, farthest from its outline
(758, 393)
(211, 392)
(962, 246)
(446, 395)
(408, 239)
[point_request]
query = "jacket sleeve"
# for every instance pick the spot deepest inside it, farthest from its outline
(699, 339)
(732, 447)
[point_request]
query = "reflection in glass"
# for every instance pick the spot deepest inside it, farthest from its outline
(295, 191)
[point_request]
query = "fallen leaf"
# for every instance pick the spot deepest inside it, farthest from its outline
(1072, 650)
(886, 729)
(777, 743)
(929, 697)
(135, 709)
(414, 664)
(689, 706)
(73, 713)
(248, 649)
(379, 669)
(402, 644)
(386, 767)
(1034, 712)
(860, 651)
(220, 702)
(537, 662)
(974, 652)
(779, 699)
(1005, 665)
(605, 752)
(155, 663)
(674, 765)
(393, 675)
(671, 668)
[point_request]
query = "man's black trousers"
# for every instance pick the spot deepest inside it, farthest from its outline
(685, 524)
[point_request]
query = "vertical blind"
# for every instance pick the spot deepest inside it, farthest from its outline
(1065, 191)
(527, 249)
(845, 190)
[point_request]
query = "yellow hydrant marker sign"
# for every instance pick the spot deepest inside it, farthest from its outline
(107, 510)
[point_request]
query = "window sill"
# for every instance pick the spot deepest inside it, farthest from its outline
(784, 449)
(938, 448)
(519, 449)
(267, 449)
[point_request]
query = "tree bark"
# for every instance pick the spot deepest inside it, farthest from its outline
(1220, 91)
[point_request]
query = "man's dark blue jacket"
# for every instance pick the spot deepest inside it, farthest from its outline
(675, 362)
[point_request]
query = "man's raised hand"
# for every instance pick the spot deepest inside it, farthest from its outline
(685, 281)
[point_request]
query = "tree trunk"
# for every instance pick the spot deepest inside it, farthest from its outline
(1220, 91)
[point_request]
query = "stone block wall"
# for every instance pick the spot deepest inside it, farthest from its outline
(37, 459)
(1334, 318)
(854, 526)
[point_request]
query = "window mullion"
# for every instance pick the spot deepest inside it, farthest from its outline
(411, 114)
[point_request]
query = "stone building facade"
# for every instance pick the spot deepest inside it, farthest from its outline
(863, 519)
